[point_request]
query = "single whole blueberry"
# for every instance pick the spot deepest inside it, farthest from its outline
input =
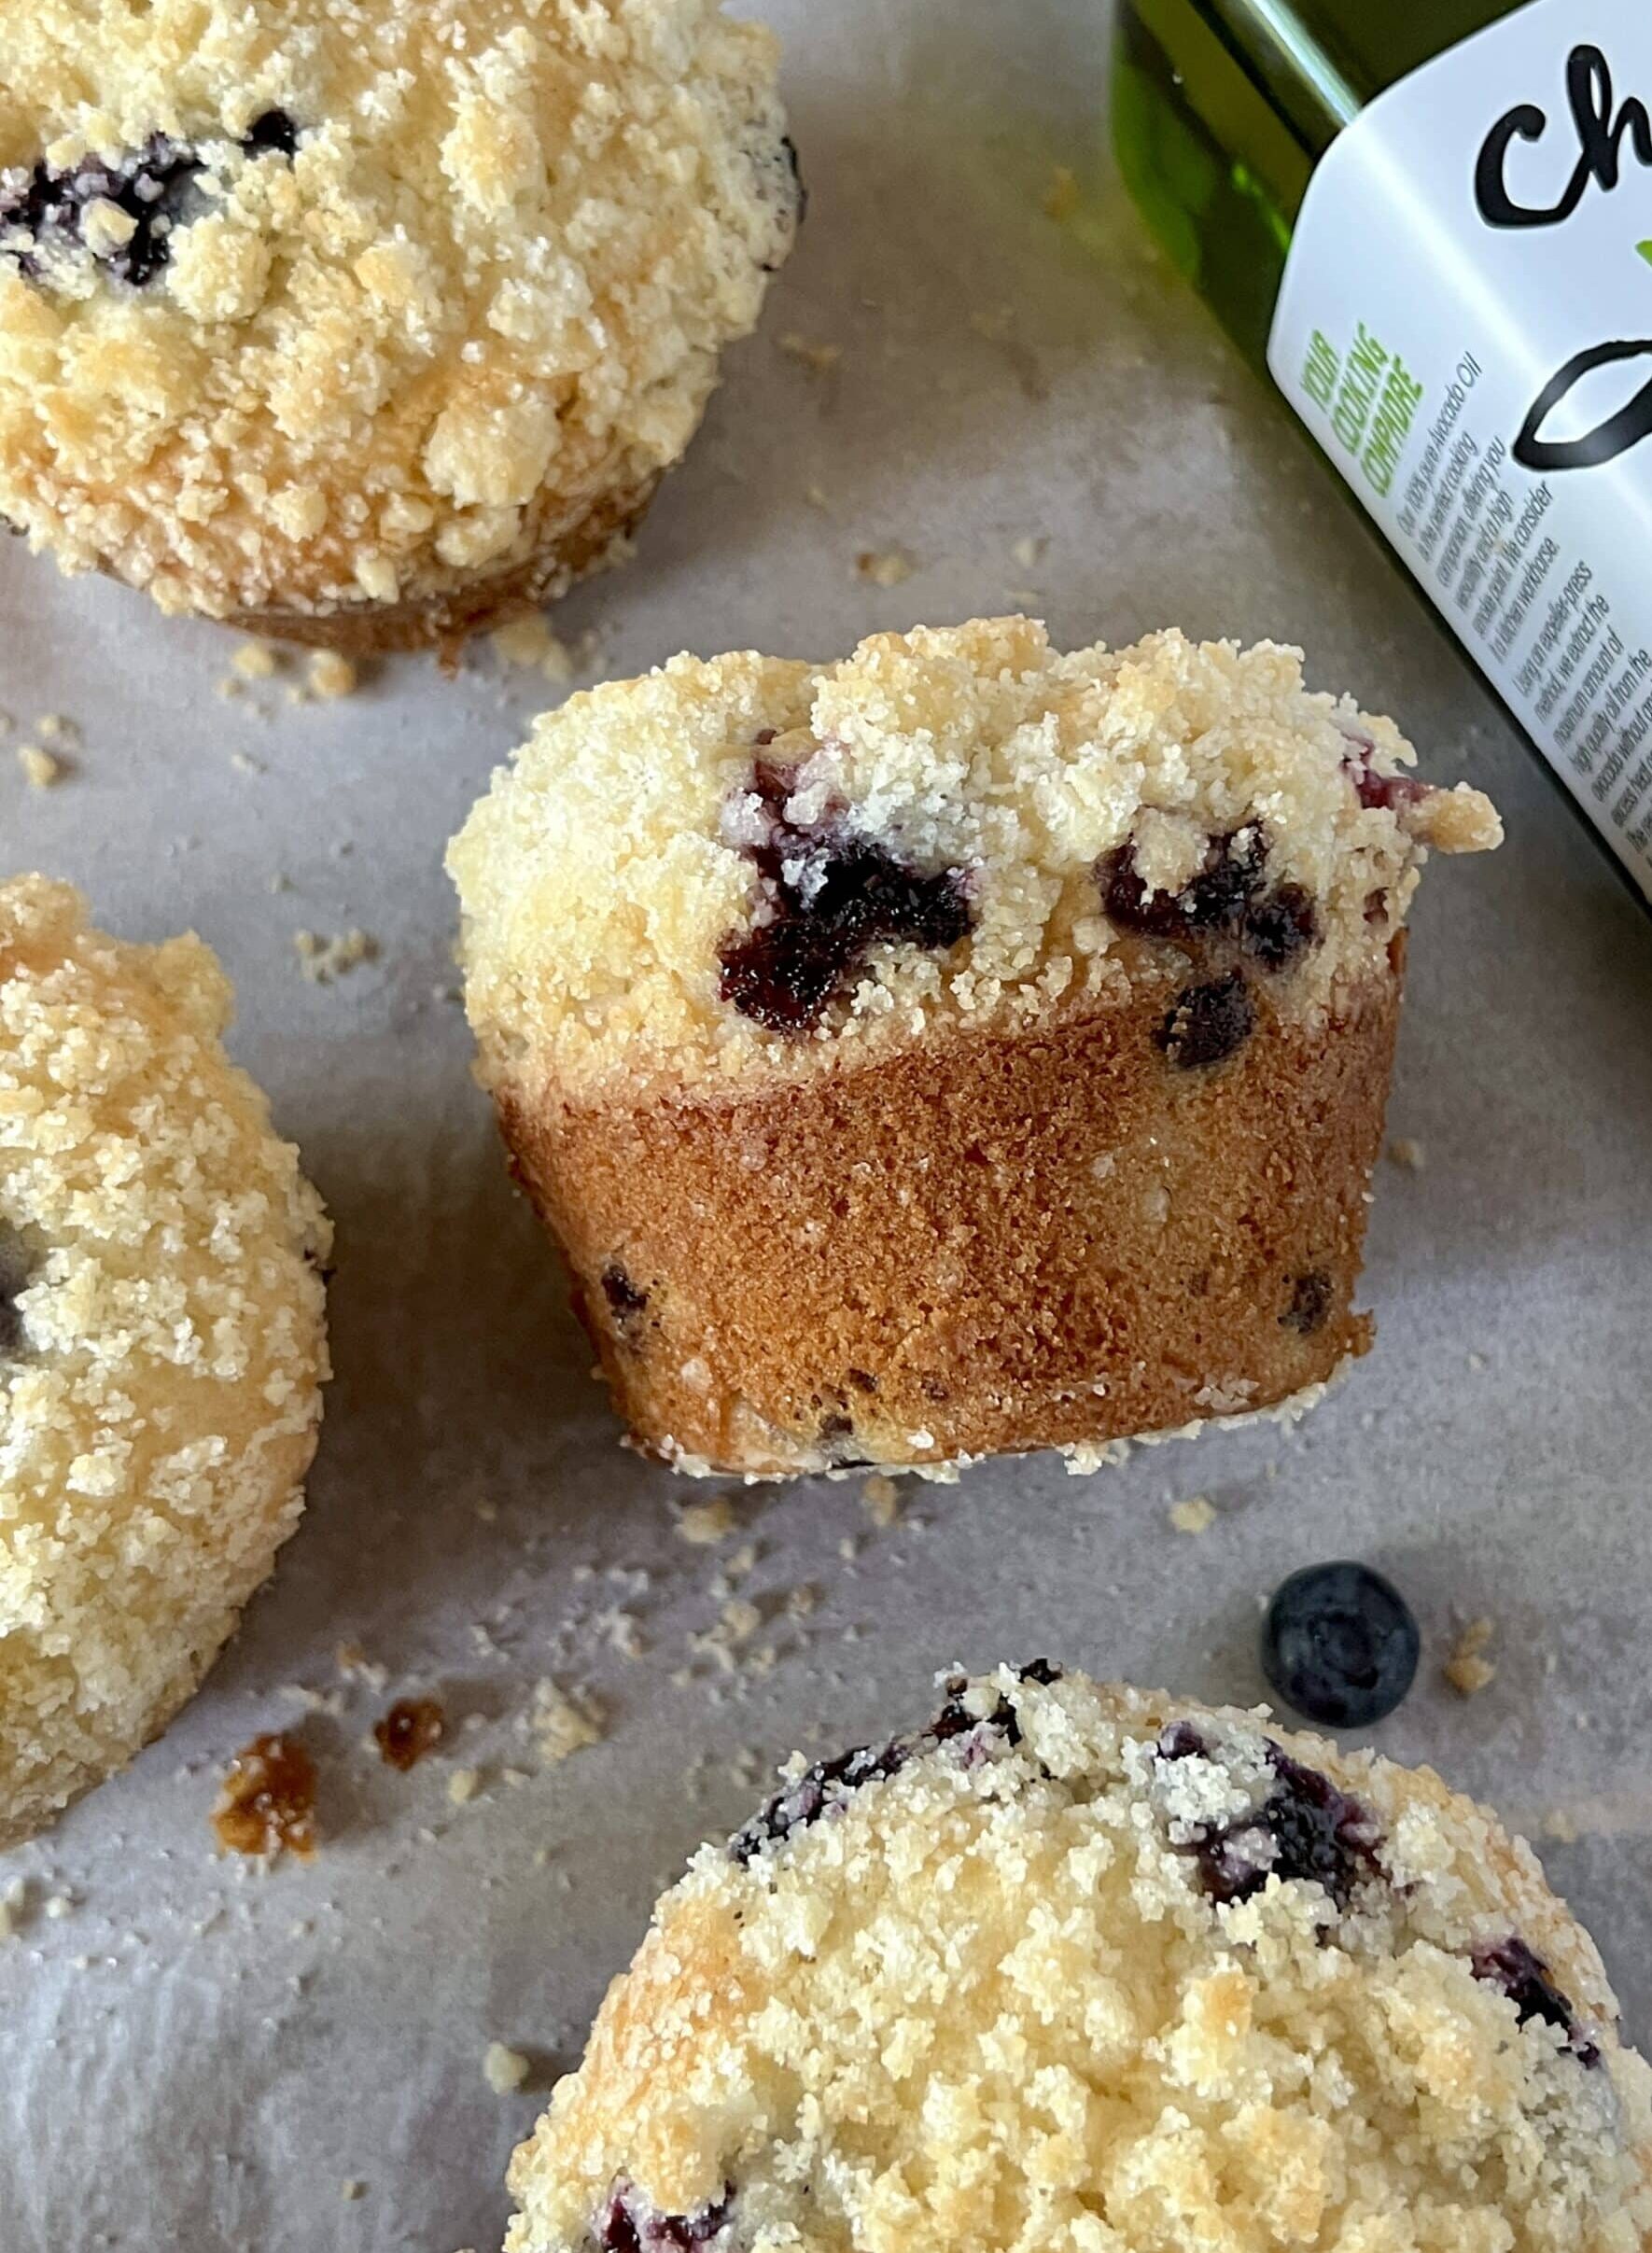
(1340, 1645)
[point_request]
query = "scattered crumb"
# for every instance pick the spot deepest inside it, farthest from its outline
(505, 2070)
(410, 1730)
(880, 1498)
(40, 769)
(740, 1619)
(619, 1630)
(822, 359)
(245, 764)
(329, 674)
(56, 727)
(885, 566)
(702, 1523)
(738, 1622)
(59, 1906)
(815, 497)
(1196, 1515)
(802, 1601)
(486, 1512)
(254, 661)
(1476, 1361)
(1561, 1825)
(738, 1563)
(463, 1785)
(848, 1549)
(1468, 1670)
(528, 641)
(355, 1665)
(1409, 1155)
(996, 323)
(14, 1907)
(1060, 198)
(351, 2188)
(1027, 552)
(322, 958)
(266, 1803)
(559, 1725)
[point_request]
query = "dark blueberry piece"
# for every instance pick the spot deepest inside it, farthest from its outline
(828, 1783)
(14, 1278)
(829, 896)
(1520, 1973)
(807, 1797)
(154, 186)
(862, 1380)
(1209, 1022)
(1181, 1740)
(1281, 926)
(1375, 790)
(1042, 1671)
(626, 1303)
(1304, 1830)
(626, 2226)
(1212, 900)
(1340, 1645)
(1310, 1304)
(274, 134)
(835, 1432)
(1321, 1833)
(616, 2232)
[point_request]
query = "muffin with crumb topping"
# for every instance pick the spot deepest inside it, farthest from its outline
(363, 323)
(962, 1048)
(162, 1342)
(1078, 1969)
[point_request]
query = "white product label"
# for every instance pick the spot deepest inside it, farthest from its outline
(1466, 327)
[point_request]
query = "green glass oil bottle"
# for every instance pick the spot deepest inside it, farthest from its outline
(1432, 221)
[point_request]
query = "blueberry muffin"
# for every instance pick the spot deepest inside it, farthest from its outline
(161, 1342)
(1077, 1969)
(361, 324)
(958, 1049)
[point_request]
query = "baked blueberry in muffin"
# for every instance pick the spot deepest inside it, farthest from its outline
(162, 1342)
(1076, 1967)
(962, 1048)
(363, 323)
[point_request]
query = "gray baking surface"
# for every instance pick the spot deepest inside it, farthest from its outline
(201, 2055)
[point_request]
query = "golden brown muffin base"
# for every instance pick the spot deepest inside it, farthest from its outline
(446, 621)
(1045, 1237)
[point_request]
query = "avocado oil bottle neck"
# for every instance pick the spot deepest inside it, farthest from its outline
(1224, 108)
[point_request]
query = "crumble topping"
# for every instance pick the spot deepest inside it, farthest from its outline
(1045, 828)
(161, 1341)
(352, 301)
(1076, 1968)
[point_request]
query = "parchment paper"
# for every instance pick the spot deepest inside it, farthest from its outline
(197, 2056)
